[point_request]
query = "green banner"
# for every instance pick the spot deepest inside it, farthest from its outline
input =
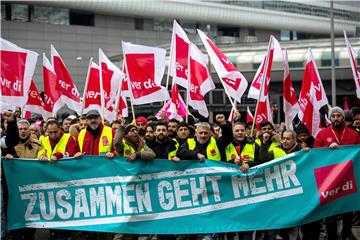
(163, 197)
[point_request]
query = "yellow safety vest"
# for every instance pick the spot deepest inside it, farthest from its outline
(212, 151)
(128, 149)
(278, 152)
(247, 150)
(60, 146)
(173, 153)
(106, 136)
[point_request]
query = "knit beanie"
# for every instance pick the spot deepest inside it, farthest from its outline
(337, 109)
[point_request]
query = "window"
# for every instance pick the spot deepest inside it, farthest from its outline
(296, 64)
(20, 12)
(50, 15)
(3, 11)
(229, 31)
(82, 18)
(251, 32)
(217, 97)
(139, 24)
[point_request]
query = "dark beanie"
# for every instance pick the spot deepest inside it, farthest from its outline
(128, 128)
(302, 129)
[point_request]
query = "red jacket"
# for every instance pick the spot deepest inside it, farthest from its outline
(343, 136)
(91, 144)
(72, 147)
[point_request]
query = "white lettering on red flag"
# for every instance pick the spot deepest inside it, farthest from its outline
(145, 68)
(291, 106)
(70, 95)
(16, 72)
(179, 55)
(311, 78)
(34, 103)
(234, 82)
(200, 81)
(52, 96)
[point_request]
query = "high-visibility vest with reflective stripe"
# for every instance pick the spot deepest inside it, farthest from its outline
(105, 142)
(128, 149)
(278, 152)
(248, 152)
(60, 146)
(212, 151)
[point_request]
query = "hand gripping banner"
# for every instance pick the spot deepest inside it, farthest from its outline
(97, 194)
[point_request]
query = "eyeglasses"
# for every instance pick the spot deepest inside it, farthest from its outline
(264, 129)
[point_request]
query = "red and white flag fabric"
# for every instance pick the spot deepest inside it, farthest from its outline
(200, 81)
(352, 57)
(311, 115)
(111, 78)
(69, 93)
(291, 106)
(312, 96)
(145, 69)
(263, 113)
(274, 53)
(249, 115)
(311, 80)
(234, 82)
(17, 69)
(34, 103)
(179, 55)
(52, 96)
(176, 108)
(92, 92)
(123, 107)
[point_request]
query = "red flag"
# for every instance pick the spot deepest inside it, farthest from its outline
(234, 82)
(352, 57)
(34, 103)
(17, 68)
(346, 105)
(291, 106)
(274, 53)
(312, 96)
(111, 77)
(311, 79)
(179, 56)
(311, 116)
(69, 93)
(177, 107)
(249, 116)
(92, 94)
(123, 107)
(52, 100)
(263, 113)
(145, 68)
(200, 81)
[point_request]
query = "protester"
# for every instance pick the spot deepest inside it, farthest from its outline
(150, 133)
(182, 133)
(129, 144)
(95, 139)
(267, 144)
(141, 123)
(66, 123)
(115, 125)
(163, 146)
(35, 130)
(172, 126)
(333, 137)
(216, 130)
(303, 136)
(204, 146)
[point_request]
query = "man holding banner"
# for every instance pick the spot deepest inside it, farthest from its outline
(336, 135)
(96, 138)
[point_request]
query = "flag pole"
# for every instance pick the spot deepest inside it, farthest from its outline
(226, 91)
(86, 85)
(118, 95)
(169, 66)
(188, 89)
(102, 98)
(261, 86)
(130, 90)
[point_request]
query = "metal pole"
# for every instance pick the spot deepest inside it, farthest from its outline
(333, 83)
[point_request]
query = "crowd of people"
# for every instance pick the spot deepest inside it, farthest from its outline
(148, 138)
